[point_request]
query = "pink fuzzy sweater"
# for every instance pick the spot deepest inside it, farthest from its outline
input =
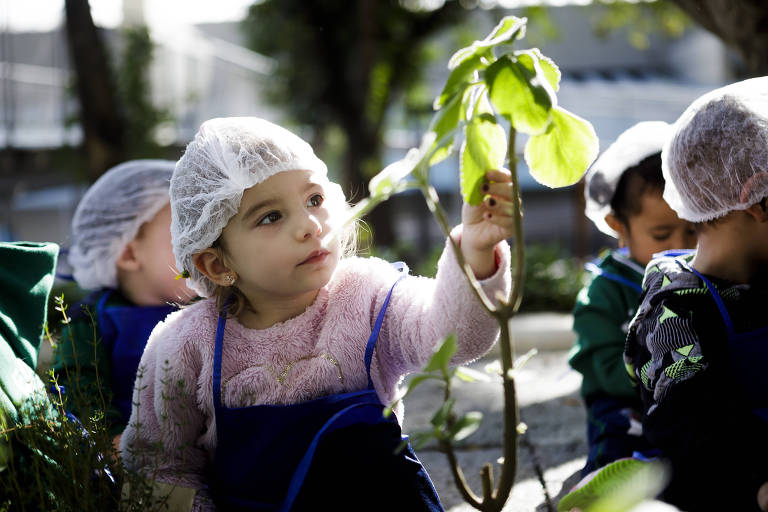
(317, 353)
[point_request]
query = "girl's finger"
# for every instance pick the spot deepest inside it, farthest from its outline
(498, 175)
(502, 190)
(503, 221)
(498, 206)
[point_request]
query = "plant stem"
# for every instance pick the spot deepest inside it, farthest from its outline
(506, 311)
(430, 195)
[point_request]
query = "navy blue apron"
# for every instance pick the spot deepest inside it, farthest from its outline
(332, 453)
(747, 354)
(124, 333)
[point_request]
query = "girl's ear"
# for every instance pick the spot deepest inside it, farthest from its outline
(758, 211)
(128, 259)
(615, 224)
(210, 264)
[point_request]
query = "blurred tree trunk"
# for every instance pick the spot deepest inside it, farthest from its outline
(740, 24)
(100, 116)
(340, 63)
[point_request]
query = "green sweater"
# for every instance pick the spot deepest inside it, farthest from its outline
(601, 317)
(26, 277)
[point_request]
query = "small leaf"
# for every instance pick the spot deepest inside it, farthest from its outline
(443, 122)
(416, 380)
(522, 428)
(484, 148)
(466, 426)
(442, 414)
(560, 156)
(549, 69)
(442, 356)
(421, 438)
(458, 80)
(518, 95)
(509, 29)
(470, 375)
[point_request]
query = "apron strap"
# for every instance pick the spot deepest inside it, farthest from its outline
(594, 269)
(217, 351)
(718, 300)
(341, 419)
(403, 269)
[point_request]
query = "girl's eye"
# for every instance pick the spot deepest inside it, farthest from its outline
(315, 200)
(270, 218)
(661, 237)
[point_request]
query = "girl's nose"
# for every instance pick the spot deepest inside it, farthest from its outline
(310, 227)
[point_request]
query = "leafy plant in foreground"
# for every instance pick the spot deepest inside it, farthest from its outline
(492, 92)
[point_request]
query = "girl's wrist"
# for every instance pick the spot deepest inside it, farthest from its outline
(483, 262)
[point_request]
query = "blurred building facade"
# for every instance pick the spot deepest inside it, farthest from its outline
(204, 71)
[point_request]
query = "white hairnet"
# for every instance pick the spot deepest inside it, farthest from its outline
(716, 160)
(226, 157)
(630, 148)
(110, 214)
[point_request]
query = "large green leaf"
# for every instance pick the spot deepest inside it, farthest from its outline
(518, 95)
(560, 156)
(484, 148)
(533, 59)
(509, 29)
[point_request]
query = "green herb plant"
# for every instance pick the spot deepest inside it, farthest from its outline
(492, 93)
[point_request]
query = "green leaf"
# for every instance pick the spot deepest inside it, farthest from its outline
(466, 426)
(443, 122)
(419, 439)
(509, 29)
(458, 80)
(417, 379)
(484, 148)
(519, 96)
(442, 414)
(560, 156)
(530, 58)
(470, 375)
(442, 356)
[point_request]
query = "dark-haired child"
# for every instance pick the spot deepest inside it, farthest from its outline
(624, 199)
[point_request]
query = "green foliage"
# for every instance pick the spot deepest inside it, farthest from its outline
(56, 462)
(640, 20)
(517, 86)
(142, 117)
(552, 280)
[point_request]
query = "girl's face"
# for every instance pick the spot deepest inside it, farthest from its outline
(655, 229)
(273, 243)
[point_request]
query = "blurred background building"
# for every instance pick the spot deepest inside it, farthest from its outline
(204, 70)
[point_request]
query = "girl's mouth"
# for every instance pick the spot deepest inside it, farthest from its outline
(315, 257)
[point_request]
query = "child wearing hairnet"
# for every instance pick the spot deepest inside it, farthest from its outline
(120, 249)
(698, 346)
(269, 394)
(624, 199)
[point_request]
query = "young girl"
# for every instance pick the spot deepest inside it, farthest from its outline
(268, 395)
(624, 199)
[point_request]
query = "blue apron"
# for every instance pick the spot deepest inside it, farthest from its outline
(747, 354)
(332, 453)
(124, 333)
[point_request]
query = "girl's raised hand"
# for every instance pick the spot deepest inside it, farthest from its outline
(487, 224)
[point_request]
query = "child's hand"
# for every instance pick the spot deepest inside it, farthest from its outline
(487, 224)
